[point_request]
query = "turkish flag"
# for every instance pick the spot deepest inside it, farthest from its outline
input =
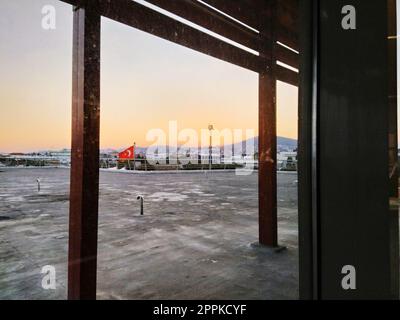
(128, 154)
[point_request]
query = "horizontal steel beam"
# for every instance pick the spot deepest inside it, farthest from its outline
(240, 10)
(138, 16)
(287, 56)
(143, 18)
(204, 16)
(250, 12)
(287, 76)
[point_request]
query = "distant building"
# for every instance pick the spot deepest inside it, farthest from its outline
(287, 161)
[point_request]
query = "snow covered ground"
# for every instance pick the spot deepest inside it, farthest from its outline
(194, 240)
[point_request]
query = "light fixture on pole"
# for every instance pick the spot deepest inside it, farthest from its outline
(134, 156)
(210, 128)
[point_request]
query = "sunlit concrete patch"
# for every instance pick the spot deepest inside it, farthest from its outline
(167, 196)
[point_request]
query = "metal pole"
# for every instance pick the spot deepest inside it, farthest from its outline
(210, 152)
(233, 151)
(134, 156)
(84, 189)
(141, 204)
(210, 128)
(267, 176)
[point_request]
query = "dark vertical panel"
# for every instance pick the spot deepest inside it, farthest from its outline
(83, 223)
(393, 145)
(305, 151)
(356, 227)
(268, 227)
(315, 154)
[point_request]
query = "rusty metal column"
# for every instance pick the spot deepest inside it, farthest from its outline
(83, 219)
(267, 178)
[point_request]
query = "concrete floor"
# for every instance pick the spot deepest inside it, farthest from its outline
(192, 243)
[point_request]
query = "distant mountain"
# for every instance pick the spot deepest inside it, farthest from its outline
(287, 142)
(284, 144)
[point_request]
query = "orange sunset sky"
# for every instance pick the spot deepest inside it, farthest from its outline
(146, 82)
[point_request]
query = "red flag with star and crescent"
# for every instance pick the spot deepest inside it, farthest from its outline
(128, 154)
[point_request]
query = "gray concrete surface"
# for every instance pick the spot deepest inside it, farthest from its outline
(192, 243)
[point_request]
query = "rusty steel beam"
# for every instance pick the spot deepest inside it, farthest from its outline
(287, 56)
(288, 29)
(288, 38)
(84, 189)
(287, 75)
(250, 12)
(138, 16)
(288, 14)
(204, 16)
(267, 176)
(238, 9)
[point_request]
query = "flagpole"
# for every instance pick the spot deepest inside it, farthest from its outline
(134, 156)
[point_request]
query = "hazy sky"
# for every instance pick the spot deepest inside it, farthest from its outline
(146, 82)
